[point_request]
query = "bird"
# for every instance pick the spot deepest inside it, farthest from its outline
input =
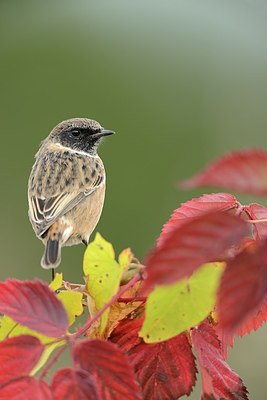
(66, 187)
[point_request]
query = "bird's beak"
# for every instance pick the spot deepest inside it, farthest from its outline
(104, 132)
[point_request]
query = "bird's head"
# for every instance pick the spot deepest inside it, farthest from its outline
(80, 134)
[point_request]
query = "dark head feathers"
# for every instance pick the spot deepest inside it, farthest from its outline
(75, 123)
(79, 134)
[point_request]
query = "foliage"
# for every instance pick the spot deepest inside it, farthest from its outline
(203, 284)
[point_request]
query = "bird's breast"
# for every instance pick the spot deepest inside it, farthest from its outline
(85, 216)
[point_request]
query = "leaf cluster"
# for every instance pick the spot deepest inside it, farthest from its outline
(203, 284)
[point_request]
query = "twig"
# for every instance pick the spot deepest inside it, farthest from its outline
(117, 296)
(131, 299)
(74, 286)
(256, 221)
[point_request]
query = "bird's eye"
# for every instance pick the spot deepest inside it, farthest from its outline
(75, 133)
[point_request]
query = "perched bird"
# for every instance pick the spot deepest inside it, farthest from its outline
(66, 187)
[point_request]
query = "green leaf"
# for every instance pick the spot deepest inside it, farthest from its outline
(45, 356)
(10, 328)
(104, 274)
(7, 328)
(98, 251)
(72, 302)
(172, 309)
(56, 282)
(125, 258)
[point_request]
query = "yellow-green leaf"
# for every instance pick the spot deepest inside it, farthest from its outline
(7, 328)
(104, 274)
(45, 356)
(56, 282)
(72, 302)
(10, 328)
(125, 257)
(98, 250)
(171, 309)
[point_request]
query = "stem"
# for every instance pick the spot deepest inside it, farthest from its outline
(240, 209)
(118, 295)
(256, 221)
(53, 360)
(131, 299)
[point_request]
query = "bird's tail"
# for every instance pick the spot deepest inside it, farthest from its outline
(52, 254)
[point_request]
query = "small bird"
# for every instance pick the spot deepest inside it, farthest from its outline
(66, 187)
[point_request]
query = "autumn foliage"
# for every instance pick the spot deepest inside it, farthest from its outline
(203, 284)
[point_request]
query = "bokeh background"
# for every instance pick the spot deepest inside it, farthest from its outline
(180, 81)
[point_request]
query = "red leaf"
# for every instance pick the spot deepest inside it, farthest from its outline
(18, 356)
(165, 370)
(255, 322)
(244, 171)
(225, 339)
(73, 384)
(218, 380)
(196, 207)
(201, 240)
(25, 388)
(257, 211)
(126, 334)
(110, 367)
(33, 304)
(243, 287)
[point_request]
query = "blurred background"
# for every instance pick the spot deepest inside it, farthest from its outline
(180, 81)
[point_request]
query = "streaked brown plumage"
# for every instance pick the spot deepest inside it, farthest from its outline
(66, 187)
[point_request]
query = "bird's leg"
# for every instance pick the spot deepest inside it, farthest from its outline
(53, 273)
(85, 242)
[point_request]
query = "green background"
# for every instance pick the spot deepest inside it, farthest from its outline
(181, 82)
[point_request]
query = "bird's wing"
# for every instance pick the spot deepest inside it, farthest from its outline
(44, 211)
